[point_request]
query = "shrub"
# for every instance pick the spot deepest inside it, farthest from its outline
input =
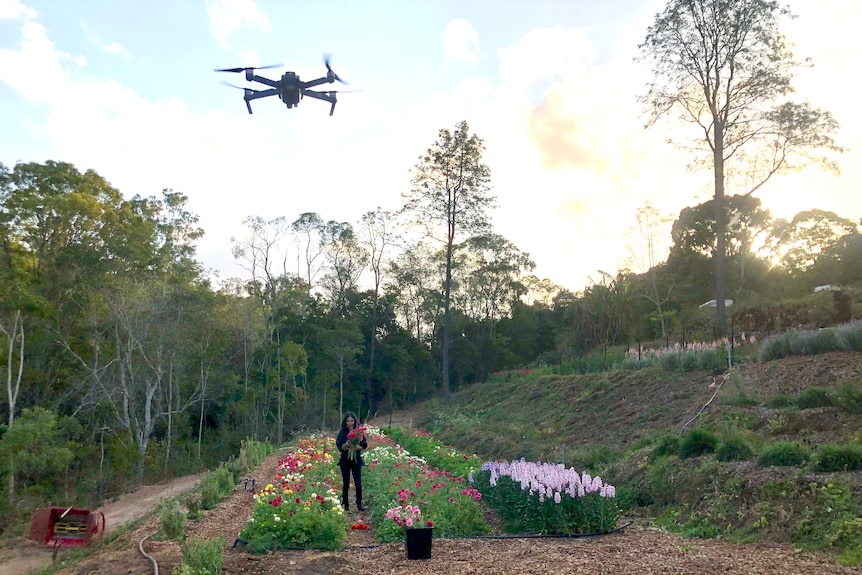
(814, 397)
(215, 486)
(666, 444)
(783, 453)
(697, 441)
(202, 557)
(832, 457)
(173, 519)
(846, 337)
(193, 507)
(781, 401)
(833, 521)
(734, 447)
(848, 396)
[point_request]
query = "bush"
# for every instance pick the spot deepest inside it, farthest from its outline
(215, 486)
(734, 447)
(783, 453)
(832, 457)
(814, 397)
(193, 507)
(848, 396)
(847, 337)
(666, 444)
(782, 401)
(173, 519)
(202, 557)
(697, 441)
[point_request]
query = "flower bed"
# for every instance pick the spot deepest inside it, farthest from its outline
(405, 491)
(548, 498)
(529, 497)
(301, 507)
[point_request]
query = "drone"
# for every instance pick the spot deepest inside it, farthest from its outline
(290, 89)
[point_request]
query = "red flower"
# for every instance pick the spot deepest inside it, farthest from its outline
(429, 523)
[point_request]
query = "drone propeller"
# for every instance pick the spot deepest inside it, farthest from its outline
(247, 68)
(223, 83)
(329, 71)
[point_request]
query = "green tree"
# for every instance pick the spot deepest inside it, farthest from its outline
(32, 449)
(724, 66)
(450, 190)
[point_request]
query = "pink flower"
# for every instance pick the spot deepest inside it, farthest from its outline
(409, 522)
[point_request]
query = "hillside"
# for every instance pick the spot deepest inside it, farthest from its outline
(532, 416)
(737, 456)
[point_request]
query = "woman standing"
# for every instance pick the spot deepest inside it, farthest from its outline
(351, 459)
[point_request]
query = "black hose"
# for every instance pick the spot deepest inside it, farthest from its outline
(152, 560)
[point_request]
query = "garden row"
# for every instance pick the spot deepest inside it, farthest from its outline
(427, 485)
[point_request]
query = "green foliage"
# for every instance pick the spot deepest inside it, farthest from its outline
(734, 447)
(782, 401)
(286, 527)
(847, 337)
(833, 521)
(661, 480)
(215, 486)
(833, 457)
(697, 441)
(693, 527)
(173, 519)
(202, 557)
(435, 452)
(814, 397)
(848, 396)
(33, 450)
(783, 453)
(667, 443)
(682, 360)
(398, 479)
(193, 506)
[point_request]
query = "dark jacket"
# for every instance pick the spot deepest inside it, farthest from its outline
(340, 442)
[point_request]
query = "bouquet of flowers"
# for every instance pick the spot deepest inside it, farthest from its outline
(354, 437)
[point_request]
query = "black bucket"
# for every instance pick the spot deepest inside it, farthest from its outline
(418, 542)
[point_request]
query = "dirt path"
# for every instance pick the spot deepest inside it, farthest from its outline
(24, 556)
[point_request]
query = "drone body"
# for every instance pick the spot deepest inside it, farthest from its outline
(290, 88)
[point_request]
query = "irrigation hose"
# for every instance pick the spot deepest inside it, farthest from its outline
(144, 553)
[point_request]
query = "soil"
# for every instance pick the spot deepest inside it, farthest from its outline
(637, 548)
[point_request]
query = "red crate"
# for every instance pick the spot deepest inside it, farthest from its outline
(66, 526)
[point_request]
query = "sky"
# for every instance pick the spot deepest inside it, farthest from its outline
(127, 88)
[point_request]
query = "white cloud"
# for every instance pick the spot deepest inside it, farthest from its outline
(249, 57)
(111, 47)
(228, 16)
(14, 10)
(461, 41)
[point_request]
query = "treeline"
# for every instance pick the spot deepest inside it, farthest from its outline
(122, 362)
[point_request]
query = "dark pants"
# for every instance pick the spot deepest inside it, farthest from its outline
(346, 470)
